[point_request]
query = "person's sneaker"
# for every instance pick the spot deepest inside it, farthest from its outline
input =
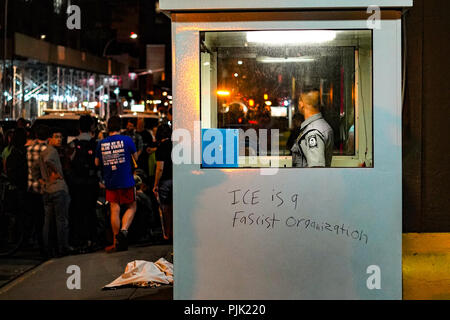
(111, 249)
(62, 252)
(94, 247)
(121, 241)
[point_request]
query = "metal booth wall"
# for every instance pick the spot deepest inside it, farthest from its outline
(214, 260)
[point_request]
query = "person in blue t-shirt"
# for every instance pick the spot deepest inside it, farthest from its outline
(116, 154)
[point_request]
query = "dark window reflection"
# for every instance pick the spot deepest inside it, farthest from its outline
(258, 84)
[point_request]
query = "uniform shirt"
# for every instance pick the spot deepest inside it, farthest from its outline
(314, 145)
(114, 152)
(34, 169)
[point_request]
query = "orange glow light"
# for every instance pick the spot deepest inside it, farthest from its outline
(266, 96)
(223, 93)
(251, 102)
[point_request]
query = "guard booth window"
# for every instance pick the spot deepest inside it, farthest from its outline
(252, 81)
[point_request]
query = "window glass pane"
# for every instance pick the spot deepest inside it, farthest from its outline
(284, 80)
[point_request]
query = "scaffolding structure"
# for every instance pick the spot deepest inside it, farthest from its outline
(30, 87)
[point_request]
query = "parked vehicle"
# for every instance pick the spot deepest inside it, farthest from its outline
(69, 121)
(150, 119)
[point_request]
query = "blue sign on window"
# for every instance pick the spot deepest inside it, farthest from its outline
(220, 148)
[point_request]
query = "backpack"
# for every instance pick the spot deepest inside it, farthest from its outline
(83, 163)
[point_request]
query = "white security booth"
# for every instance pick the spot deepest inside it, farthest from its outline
(247, 223)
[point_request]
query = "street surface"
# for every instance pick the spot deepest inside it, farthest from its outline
(18, 264)
(48, 281)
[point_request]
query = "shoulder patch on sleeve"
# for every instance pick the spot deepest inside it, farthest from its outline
(312, 141)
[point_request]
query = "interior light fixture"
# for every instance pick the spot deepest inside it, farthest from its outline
(223, 93)
(284, 60)
(291, 37)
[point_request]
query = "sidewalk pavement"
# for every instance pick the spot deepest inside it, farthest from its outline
(49, 280)
(24, 260)
(426, 273)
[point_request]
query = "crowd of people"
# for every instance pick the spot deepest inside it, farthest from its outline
(83, 195)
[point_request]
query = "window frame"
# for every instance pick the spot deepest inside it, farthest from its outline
(358, 157)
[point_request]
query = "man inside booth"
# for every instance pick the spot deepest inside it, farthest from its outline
(314, 144)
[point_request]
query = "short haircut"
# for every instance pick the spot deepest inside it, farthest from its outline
(85, 123)
(42, 132)
(19, 137)
(114, 124)
(54, 130)
(311, 96)
(9, 134)
(30, 133)
(21, 123)
(164, 131)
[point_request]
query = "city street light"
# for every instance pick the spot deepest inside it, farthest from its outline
(107, 45)
(133, 35)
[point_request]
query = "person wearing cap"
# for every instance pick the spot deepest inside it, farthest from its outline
(314, 144)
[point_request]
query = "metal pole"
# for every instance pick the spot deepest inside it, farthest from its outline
(81, 78)
(107, 105)
(57, 88)
(13, 107)
(107, 45)
(102, 103)
(71, 88)
(4, 100)
(63, 88)
(49, 90)
(22, 108)
(88, 98)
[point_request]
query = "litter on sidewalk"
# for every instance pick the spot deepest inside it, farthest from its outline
(141, 273)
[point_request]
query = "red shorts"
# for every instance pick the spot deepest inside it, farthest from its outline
(121, 196)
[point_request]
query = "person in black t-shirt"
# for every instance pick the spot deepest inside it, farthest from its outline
(163, 177)
(297, 120)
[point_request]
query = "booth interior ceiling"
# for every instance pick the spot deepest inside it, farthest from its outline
(221, 5)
